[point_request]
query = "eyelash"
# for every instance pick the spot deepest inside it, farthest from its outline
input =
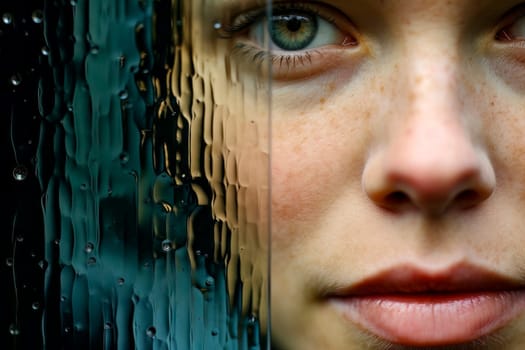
(259, 55)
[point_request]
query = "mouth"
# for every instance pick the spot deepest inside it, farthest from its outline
(411, 306)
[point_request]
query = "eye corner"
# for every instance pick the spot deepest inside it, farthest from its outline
(503, 35)
(512, 25)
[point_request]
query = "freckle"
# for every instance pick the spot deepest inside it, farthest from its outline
(382, 88)
(322, 100)
(330, 87)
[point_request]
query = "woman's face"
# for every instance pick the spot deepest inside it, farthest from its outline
(398, 174)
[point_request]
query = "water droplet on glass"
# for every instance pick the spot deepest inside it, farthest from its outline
(123, 95)
(13, 329)
(151, 331)
(166, 207)
(124, 157)
(252, 319)
(92, 261)
(42, 264)
(56, 241)
(89, 247)
(9, 262)
(215, 332)
(20, 238)
(63, 298)
(217, 25)
(16, 79)
(68, 330)
(7, 18)
(44, 50)
(83, 187)
(120, 281)
(122, 61)
(108, 326)
(167, 245)
(20, 173)
(35, 305)
(73, 2)
(209, 281)
(37, 16)
(94, 50)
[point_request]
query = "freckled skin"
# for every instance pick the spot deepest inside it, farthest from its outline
(430, 106)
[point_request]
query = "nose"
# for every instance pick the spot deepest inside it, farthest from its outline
(429, 161)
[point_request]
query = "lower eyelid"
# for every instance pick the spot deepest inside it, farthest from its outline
(310, 63)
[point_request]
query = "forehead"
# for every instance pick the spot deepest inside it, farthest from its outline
(393, 15)
(404, 8)
(418, 5)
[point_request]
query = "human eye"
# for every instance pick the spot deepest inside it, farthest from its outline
(299, 39)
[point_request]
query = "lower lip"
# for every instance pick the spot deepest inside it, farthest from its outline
(433, 320)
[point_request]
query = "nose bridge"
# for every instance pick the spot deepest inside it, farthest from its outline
(433, 118)
(432, 71)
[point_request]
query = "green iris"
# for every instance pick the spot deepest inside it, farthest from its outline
(292, 32)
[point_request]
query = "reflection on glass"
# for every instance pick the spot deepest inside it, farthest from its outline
(149, 167)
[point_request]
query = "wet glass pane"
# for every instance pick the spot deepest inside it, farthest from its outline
(135, 175)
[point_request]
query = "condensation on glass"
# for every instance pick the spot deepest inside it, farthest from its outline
(136, 145)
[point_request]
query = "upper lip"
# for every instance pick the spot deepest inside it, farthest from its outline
(411, 279)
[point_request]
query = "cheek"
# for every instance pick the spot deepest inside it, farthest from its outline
(311, 166)
(319, 144)
(299, 180)
(503, 127)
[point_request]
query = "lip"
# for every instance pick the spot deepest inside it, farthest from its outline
(412, 306)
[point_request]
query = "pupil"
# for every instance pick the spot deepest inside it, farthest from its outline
(293, 24)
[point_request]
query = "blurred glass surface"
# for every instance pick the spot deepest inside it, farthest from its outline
(135, 152)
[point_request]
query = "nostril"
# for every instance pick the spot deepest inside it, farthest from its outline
(432, 185)
(396, 199)
(468, 198)
(465, 199)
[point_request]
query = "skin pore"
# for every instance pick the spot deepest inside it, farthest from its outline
(396, 145)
